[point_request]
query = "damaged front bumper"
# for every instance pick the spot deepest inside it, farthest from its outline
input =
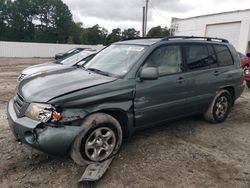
(51, 140)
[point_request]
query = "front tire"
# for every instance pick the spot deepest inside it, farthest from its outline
(219, 108)
(99, 139)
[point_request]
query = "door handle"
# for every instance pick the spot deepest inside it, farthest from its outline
(216, 73)
(180, 80)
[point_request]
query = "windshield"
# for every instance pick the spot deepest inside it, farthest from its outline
(72, 60)
(116, 59)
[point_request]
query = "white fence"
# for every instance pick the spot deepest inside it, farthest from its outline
(25, 49)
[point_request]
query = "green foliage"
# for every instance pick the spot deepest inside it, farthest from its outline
(117, 35)
(35, 20)
(51, 21)
(130, 33)
(94, 35)
(114, 36)
(158, 32)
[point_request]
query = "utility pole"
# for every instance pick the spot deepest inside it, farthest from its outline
(143, 21)
(146, 17)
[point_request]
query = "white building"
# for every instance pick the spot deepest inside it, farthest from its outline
(233, 26)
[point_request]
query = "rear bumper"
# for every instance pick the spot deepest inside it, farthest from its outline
(239, 90)
(51, 140)
(247, 76)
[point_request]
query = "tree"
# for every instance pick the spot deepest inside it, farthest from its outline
(51, 21)
(16, 20)
(114, 36)
(2, 19)
(55, 23)
(35, 20)
(158, 32)
(130, 33)
(76, 32)
(94, 35)
(22, 27)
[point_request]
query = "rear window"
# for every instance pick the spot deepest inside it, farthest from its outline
(224, 56)
(198, 56)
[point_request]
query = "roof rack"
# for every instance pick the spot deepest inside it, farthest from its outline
(195, 37)
(135, 38)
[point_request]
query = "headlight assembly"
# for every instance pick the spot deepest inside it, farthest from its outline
(42, 112)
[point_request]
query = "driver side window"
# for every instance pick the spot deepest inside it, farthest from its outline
(167, 59)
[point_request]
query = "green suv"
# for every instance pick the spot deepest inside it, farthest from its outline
(86, 111)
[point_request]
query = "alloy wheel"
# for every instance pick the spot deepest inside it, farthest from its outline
(100, 144)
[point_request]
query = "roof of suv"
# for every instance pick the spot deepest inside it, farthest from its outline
(151, 41)
(142, 41)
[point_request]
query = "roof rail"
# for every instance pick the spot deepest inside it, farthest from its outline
(195, 37)
(135, 38)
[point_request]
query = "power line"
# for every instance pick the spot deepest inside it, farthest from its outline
(157, 11)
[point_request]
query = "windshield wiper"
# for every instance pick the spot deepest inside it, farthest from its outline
(99, 71)
(104, 73)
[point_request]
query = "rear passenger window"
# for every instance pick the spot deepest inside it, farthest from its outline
(224, 56)
(199, 56)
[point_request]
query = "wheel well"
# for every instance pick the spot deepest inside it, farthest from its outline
(121, 117)
(231, 90)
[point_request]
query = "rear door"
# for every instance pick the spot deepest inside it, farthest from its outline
(201, 77)
(227, 73)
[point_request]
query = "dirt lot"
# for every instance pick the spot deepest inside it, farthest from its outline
(185, 153)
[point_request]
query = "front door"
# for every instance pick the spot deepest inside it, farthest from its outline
(164, 98)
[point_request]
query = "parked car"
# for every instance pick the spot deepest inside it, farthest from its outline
(245, 60)
(82, 56)
(247, 76)
(69, 53)
(130, 85)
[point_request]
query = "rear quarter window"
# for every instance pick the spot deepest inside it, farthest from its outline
(224, 57)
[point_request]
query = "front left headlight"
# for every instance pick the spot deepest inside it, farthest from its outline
(42, 112)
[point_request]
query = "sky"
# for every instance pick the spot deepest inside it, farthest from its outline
(124, 14)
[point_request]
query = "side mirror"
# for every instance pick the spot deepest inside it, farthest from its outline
(149, 73)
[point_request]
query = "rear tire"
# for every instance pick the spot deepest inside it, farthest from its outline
(219, 108)
(99, 139)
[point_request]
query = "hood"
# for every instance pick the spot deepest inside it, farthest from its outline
(46, 86)
(41, 68)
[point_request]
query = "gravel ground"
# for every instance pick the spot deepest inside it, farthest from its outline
(185, 153)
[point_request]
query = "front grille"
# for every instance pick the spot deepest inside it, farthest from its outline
(18, 104)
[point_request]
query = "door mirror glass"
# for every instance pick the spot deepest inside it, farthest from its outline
(149, 73)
